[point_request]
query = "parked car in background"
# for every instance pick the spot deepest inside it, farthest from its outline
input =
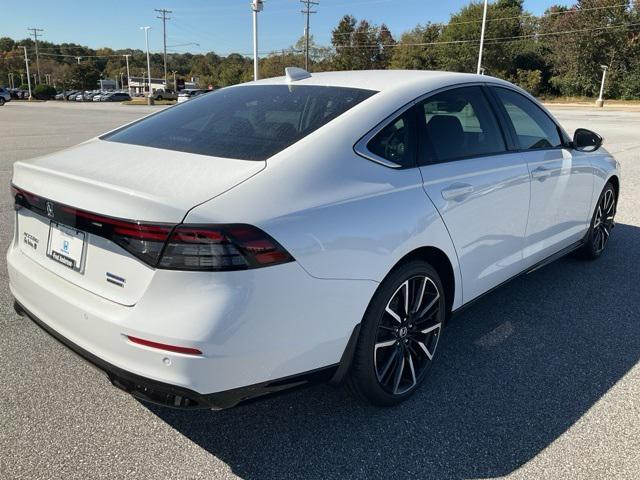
(5, 96)
(98, 96)
(65, 94)
(164, 95)
(115, 97)
(292, 229)
(189, 93)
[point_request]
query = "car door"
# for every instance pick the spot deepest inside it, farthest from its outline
(561, 182)
(480, 189)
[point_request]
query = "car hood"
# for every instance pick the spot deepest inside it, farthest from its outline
(131, 181)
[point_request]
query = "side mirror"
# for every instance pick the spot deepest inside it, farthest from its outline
(586, 141)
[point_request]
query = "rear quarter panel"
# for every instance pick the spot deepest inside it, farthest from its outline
(341, 216)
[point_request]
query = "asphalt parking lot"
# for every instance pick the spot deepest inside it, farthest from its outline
(540, 379)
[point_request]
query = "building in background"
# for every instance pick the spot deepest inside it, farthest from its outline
(107, 84)
(141, 84)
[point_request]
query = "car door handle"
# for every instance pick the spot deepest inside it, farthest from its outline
(541, 173)
(457, 191)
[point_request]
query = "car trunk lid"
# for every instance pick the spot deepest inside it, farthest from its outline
(102, 183)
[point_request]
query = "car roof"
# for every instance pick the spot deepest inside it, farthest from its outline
(384, 80)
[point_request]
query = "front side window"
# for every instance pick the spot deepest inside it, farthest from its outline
(252, 122)
(458, 124)
(533, 127)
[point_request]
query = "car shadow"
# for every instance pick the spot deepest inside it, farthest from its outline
(514, 372)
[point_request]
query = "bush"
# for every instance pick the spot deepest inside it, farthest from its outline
(530, 80)
(630, 86)
(44, 92)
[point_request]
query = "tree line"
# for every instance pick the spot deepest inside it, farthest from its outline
(558, 53)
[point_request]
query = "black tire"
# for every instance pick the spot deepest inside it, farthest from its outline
(389, 342)
(2, 100)
(602, 222)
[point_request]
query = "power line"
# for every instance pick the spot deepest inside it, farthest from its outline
(35, 36)
(497, 19)
(308, 4)
(496, 40)
(164, 18)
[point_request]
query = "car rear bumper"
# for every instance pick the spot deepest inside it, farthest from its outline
(259, 331)
(168, 395)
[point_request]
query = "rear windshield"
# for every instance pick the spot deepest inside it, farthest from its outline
(250, 122)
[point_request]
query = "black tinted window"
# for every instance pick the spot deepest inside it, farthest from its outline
(248, 122)
(458, 123)
(394, 142)
(533, 127)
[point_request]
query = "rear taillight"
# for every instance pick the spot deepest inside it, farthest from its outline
(165, 245)
(142, 240)
(221, 247)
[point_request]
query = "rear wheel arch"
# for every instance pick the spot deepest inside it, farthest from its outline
(441, 263)
(615, 181)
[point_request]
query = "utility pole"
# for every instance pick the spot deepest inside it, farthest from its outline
(164, 18)
(128, 77)
(35, 36)
(484, 24)
(175, 82)
(256, 6)
(308, 4)
(146, 37)
(26, 62)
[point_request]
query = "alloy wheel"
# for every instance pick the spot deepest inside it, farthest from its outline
(604, 220)
(407, 335)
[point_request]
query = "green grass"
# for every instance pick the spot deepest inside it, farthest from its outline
(143, 101)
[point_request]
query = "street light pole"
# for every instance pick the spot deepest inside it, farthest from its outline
(256, 6)
(484, 24)
(600, 101)
(26, 62)
(146, 36)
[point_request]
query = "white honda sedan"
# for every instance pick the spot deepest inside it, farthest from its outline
(308, 227)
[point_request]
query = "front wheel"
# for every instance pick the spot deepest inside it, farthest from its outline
(399, 335)
(2, 100)
(602, 223)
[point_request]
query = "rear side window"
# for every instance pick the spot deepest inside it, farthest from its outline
(533, 127)
(458, 124)
(395, 141)
(251, 122)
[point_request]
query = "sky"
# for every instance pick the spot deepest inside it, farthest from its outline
(222, 26)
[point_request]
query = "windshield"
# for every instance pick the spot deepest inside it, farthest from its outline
(251, 122)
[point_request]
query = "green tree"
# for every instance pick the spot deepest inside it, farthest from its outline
(416, 49)
(82, 76)
(584, 37)
(342, 41)
(361, 46)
